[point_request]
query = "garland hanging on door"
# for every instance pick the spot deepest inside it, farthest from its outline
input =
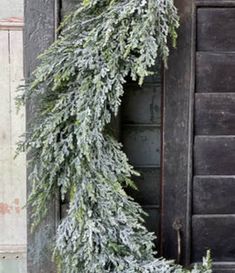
(78, 87)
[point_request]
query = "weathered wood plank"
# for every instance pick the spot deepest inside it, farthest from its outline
(39, 30)
(39, 33)
(142, 105)
(214, 195)
(215, 29)
(224, 267)
(215, 3)
(214, 232)
(215, 72)
(178, 92)
(142, 145)
(148, 184)
(214, 155)
(215, 114)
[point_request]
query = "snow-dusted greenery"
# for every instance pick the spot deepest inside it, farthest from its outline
(78, 88)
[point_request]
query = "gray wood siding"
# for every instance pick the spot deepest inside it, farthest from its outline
(177, 139)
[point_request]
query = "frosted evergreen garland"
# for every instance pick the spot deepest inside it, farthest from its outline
(78, 87)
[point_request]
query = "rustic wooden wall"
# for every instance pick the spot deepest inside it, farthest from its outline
(214, 141)
(198, 136)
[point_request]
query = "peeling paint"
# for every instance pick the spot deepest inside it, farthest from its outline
(5, 209)
(14, 207)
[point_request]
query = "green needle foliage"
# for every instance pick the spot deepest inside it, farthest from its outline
(78, 88)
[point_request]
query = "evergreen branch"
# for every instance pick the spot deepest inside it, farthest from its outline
(78, 88)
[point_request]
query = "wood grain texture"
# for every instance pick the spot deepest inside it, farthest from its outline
(214, 195)
(177, 137)
(215, 3)
(215, 114)
(215, 232)
(39, 33)
(215, 29)
(214, 155)
(214, 145)
(215, 72)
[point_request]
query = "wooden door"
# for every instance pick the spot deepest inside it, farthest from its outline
(199, 136)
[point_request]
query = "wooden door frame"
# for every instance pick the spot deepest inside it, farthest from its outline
(177, 138)
(41, 20)
(177, 135)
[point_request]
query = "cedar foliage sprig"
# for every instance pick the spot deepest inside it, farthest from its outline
(78, 88)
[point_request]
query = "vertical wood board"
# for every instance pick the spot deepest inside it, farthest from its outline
(39, 33)
(177, 139)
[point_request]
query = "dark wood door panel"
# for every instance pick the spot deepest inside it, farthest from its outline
(215, 114)
(215, 72)
(214, 232)
(152, 219)
(215, 29)
(142, 105)
(148, 184)
(214, 155)
(214, 195)
(202, 197)
(142, 145)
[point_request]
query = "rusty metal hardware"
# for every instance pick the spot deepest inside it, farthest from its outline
(177, 226)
